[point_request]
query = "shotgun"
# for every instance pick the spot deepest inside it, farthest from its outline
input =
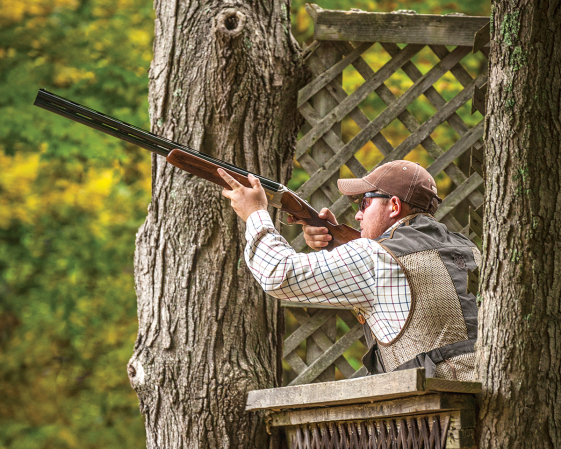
(194, 162)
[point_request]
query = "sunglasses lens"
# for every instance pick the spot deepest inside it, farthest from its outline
(364, 204)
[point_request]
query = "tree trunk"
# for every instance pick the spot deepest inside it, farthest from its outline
(224, 81)
(519, 348)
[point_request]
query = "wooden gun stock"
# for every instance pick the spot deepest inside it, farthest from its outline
(203, 169)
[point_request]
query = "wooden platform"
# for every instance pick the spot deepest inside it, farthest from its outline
(402, 408)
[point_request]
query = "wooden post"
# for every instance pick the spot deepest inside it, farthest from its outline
(323, 102)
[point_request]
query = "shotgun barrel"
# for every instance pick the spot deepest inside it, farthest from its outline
(124, 131)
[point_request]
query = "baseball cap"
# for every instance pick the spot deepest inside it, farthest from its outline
(407, 180)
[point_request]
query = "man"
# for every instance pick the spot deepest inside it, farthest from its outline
(406, 277)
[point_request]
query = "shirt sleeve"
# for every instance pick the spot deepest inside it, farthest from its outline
(344, 276)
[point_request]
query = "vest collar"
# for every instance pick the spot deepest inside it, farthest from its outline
(397, 224)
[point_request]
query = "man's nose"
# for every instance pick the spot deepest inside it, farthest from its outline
(358, 216)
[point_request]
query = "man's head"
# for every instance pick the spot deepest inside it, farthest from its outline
(402, 188)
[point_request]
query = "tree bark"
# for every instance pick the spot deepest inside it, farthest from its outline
(519, 348)
(224, 81)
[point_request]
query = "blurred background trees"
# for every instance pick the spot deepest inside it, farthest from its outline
(71, 200)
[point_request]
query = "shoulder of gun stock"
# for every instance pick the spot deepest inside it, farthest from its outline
(301, 210)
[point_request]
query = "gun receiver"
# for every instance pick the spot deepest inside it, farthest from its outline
(194, 162)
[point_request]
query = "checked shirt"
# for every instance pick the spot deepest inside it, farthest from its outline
(360, 274)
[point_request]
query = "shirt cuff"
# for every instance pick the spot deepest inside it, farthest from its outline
(257, 222)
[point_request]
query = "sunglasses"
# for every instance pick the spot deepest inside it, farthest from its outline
(366, 199)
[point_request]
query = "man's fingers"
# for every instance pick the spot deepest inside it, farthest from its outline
(227, 193)
(318, 241)
(319, 244)
(320, 238)
(326, 214)
(231, 181)
(315, 231)
(317, 237)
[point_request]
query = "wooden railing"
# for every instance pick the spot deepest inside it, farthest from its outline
(402, 410)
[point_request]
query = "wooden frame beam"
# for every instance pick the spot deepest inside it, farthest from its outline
(392, 385)
(427, 29)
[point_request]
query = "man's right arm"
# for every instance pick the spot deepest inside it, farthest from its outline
(343, 276)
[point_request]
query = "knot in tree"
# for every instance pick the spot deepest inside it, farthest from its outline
(230, 22)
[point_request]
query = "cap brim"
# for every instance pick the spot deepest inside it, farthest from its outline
(354, 186)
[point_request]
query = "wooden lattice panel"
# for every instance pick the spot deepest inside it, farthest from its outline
(327, 108)
(313, 328)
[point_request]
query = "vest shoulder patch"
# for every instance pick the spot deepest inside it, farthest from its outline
(459, 261)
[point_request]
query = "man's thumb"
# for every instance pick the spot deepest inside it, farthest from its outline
(326, 214)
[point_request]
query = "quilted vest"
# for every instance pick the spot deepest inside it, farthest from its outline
(441, 328)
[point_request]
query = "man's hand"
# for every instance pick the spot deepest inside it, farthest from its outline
(317, 237)
(244, 200)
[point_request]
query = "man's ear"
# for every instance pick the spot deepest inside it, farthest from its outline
(396, 207)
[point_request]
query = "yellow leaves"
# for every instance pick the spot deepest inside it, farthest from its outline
(107, 8)
(7, 53)
(67, 436)
(145, 166)
(140, 37)
(18, 174)
(16, 10)
(303, 21)
(98, 11)
(123, 4)
(113, 336)
(96, 188)
(25, 199)
(66, 76)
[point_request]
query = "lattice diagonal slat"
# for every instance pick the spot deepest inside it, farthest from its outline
(341, 126)
(332, 353)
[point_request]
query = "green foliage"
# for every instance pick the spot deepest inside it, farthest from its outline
(71, 200)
